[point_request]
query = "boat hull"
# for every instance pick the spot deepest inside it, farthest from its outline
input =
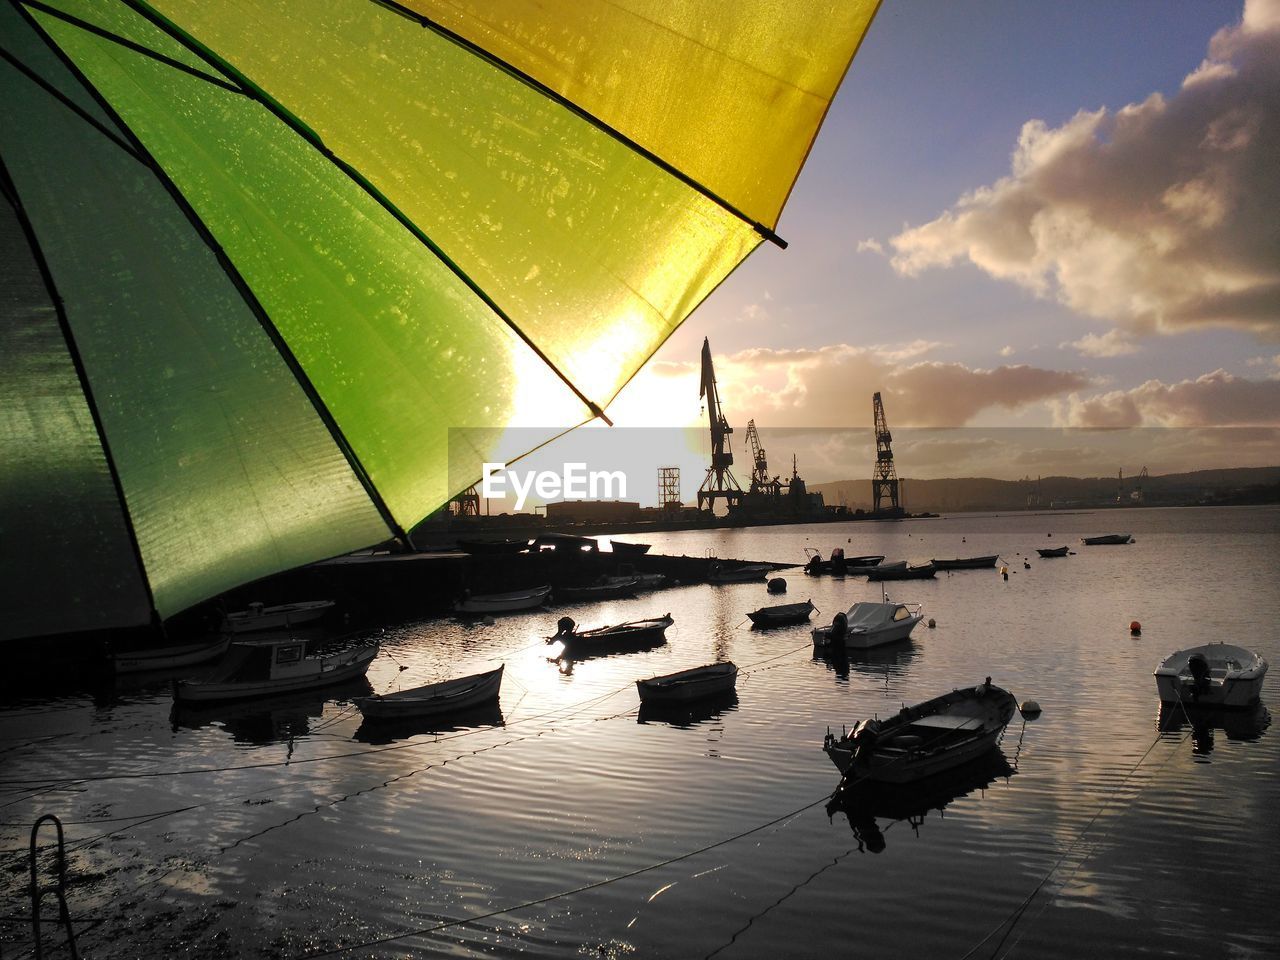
(966, 563)
(1234, 677)
(334, 669)
(434, 699)
(169, 658)
(901, 573)
(865, 640)
(1052, 552)
(504, 602)
(784, 615)
(688, 685)
(272, 618)
(1109, 540)
(739, 574)
(928, 738)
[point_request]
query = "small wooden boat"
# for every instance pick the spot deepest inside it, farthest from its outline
(169, 658)
(924, 571)
(258, 668)
(432, 699)
(511, 602)
(628, 549)
(869, 624)
(966, 563)
(1213, 674)
(605, 588)
(742, 574)
(925, 739)
(1110, 538)
(635, 633)
(259, 616)
(782, 615)
(1048, 552)
(839, 562)
(693, 684)
(493, 547)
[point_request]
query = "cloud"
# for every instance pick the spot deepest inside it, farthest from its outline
(870, 245)
(1216, 399)
(1113, 343)
(1159, 216)
(831, 386)
(1007, 351)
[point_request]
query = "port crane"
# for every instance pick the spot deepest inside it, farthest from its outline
(760, 482)
(884, 482)
(719, 482)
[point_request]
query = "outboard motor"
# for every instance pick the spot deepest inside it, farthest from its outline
(1199, 668)
(839, 629)
(564, 626)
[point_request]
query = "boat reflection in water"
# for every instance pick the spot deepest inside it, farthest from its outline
(265, 720)
(689, 714)
(865, 802)
(391, 731)
(878, 662)
(1241, 725)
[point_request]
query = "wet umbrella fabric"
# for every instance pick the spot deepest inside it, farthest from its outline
(279, 276)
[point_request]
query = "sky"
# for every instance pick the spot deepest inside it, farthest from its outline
(1060, 217)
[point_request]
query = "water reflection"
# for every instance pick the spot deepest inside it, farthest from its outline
(864, 802)
(390, 731)
(891, 660)
(266, 720)
(688, 714)
(1244, 725)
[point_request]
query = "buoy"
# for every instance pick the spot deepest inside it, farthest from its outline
(1004, 572)
(1029, 709)
(932, 623)
(1025, 565)
(1135, 627)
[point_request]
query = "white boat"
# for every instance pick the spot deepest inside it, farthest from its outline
(869, 623)
(1218, 674)
(743, 574)
(259, 616)
(692, 684)
(503, 602)
(262, 667)
(433, 699)
(925, 739)
(169, 658)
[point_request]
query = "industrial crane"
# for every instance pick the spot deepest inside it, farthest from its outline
(719, 482)
(884, 483)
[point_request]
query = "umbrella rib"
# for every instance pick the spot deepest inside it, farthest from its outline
(68, 337)
(242, 287)
(516, 73)
(130, 44)
(256, 93)
(66, 101)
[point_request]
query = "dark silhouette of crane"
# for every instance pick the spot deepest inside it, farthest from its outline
(884, 482)
(760, 482)
(719, 482)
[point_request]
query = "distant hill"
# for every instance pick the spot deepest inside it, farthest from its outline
(1235, 485)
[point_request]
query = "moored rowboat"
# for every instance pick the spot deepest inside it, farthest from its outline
(433, 699)
(261, 617)
(692, 684)
(1048, 552)
(511, 602)
(966, 563)
(169, 658)
(782, 614)
(1110, 538)
(924, 739)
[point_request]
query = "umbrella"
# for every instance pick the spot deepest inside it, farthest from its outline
(275, 272)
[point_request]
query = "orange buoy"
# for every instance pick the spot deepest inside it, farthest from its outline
(1135, 627)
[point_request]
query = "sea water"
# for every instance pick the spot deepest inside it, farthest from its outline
(568, 823)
